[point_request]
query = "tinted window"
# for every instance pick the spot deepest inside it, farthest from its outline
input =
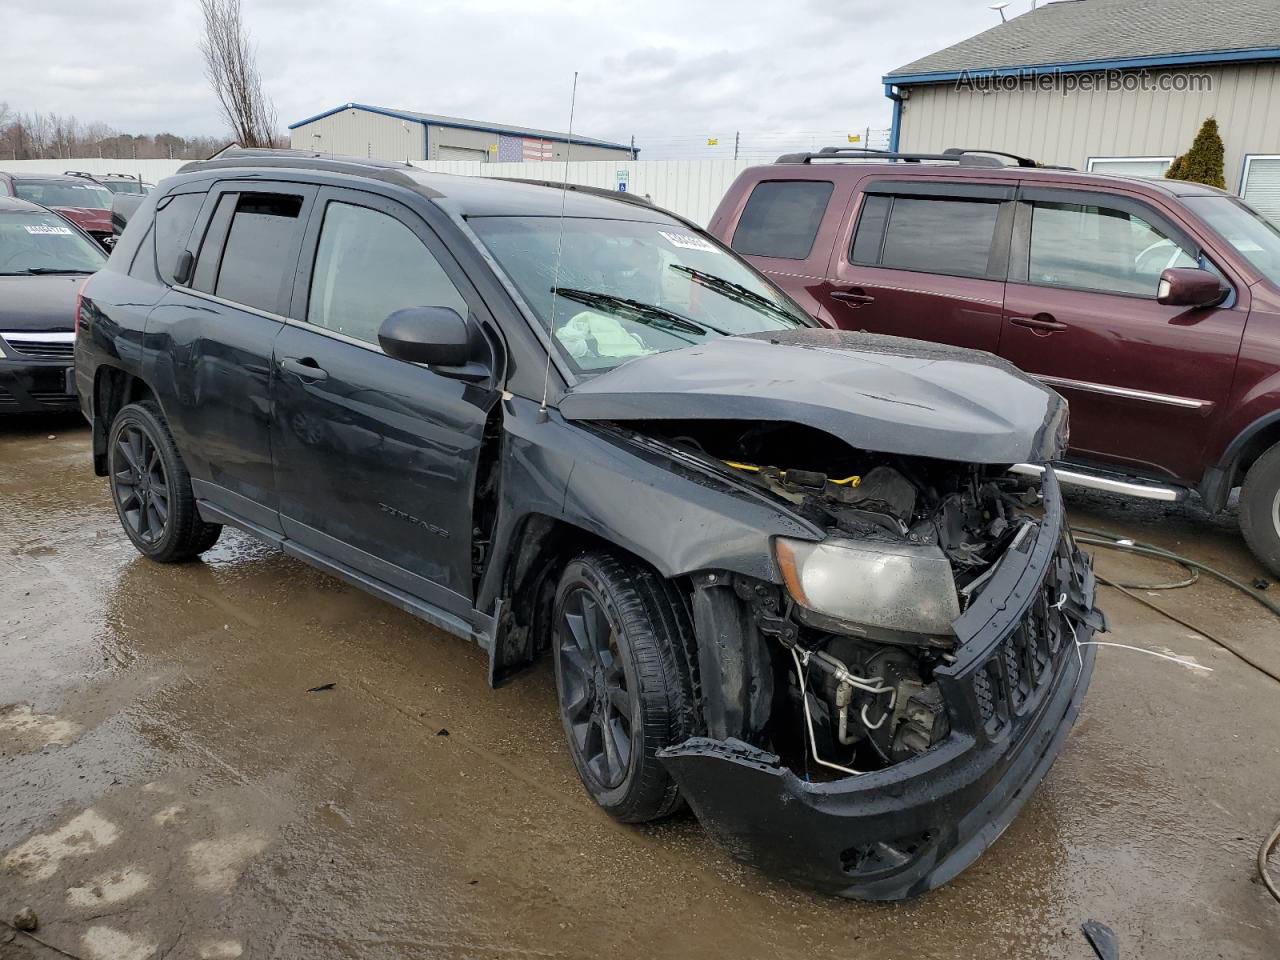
(369, 265)
(1100, 248)
(781, 218)
(944, 236)
(255, 258)
(64, 193)
(869, 237)
(173, 230)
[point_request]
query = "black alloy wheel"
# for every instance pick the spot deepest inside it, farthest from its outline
(140, 484)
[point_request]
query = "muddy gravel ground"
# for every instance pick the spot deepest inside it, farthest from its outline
(170, 788)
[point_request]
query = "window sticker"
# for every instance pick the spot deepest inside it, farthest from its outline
(47, 230)
(688, 241)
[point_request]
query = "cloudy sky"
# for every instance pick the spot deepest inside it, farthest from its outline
(671, 73)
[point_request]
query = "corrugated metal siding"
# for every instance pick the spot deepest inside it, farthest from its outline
(1262, 186)
(1054, 128)
(362, 133)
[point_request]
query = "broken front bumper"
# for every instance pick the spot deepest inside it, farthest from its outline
(1013, 694)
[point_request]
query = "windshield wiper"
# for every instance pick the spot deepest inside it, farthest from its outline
(638, 311)
(44, 271)
(735, 291)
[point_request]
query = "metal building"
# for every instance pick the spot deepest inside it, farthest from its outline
(360, 130)
(1114, 86)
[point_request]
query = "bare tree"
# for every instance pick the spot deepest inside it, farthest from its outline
(231, 64)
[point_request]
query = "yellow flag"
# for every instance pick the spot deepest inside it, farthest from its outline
(855, 138)
(712, 141)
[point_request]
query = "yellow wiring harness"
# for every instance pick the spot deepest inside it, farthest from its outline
(752, 468)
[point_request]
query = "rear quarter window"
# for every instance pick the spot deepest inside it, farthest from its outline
(173, 226)
(781, 218)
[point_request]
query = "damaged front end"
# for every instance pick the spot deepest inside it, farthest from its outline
(878, 718)
(881, 693)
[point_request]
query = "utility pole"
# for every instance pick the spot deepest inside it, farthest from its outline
(736, 135)
(633, 146)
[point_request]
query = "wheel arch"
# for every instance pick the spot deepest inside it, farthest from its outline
(113, 389)
(1241, 453)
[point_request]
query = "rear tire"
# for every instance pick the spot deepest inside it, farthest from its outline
(151, 488)
(1260, 509)
(620, 636)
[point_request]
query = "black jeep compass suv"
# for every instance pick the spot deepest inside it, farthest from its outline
(784, 572)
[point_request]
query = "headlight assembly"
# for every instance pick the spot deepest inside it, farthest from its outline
(897, 586)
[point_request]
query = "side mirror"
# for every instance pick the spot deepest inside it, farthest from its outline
(437, 336)
(182, 269)
(1191, 287)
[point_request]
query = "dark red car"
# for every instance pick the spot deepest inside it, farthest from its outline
(1152, 305)
(84, 202)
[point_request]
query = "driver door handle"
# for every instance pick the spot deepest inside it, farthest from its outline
(1041, 323)
(305, 369)
(853, 297)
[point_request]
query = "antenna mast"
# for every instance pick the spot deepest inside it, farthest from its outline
(555, 283)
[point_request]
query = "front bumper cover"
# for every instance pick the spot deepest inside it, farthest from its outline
(35, 386)
(1013, 694)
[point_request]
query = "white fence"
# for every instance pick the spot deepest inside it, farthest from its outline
(691, 188)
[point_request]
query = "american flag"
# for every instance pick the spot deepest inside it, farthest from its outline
(521, 149)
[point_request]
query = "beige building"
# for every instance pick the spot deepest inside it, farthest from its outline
(381, 133)
(1111, 86)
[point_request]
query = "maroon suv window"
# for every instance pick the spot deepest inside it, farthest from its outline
(781, 218)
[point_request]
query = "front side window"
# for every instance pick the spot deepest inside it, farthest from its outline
(42, 242)
(173, 225)
(1091, 247)
(927, 234)
(64, 193)
(369, 265)
(621, 289)
(254, 259)
(781, 219)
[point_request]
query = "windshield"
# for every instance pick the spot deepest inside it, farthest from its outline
(127, 186)
(1253, 236)
(628, 289)
(40, 242)
(62, 193)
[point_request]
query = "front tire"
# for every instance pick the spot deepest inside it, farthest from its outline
(1260, 509)
(151, 488)
(620, 642)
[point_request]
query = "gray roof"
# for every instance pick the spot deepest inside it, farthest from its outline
(1075, 31)
(443, 121)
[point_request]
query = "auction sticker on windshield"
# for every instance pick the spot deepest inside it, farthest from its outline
(688, 241)
(47, 229)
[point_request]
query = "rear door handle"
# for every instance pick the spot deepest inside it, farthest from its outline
(305, 369)
(852, 297)
(1041, 323)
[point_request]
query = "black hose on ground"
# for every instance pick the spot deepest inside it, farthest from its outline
(1109, 541)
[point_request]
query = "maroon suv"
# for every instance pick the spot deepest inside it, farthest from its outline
(84, 202)
(1152, 305)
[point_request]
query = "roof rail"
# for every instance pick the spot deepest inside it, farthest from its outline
(1018, 161)
(79, 173)
(866, 153)
(622, 195)
(964, 156)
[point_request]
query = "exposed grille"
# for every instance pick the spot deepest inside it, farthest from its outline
(7, 398)
(1011, 680)
(51, 396)
(41, 349)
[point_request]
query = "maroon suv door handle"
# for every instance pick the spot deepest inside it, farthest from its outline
(1041, 324)
(852, 297)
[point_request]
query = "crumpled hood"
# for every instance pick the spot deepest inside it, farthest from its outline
(886, 394)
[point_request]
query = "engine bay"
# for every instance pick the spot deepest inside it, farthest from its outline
(853, 686)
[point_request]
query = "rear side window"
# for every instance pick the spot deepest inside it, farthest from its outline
(257, 248)
(369, 265)
(781, 218)
(173, 230)
(927, 234)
